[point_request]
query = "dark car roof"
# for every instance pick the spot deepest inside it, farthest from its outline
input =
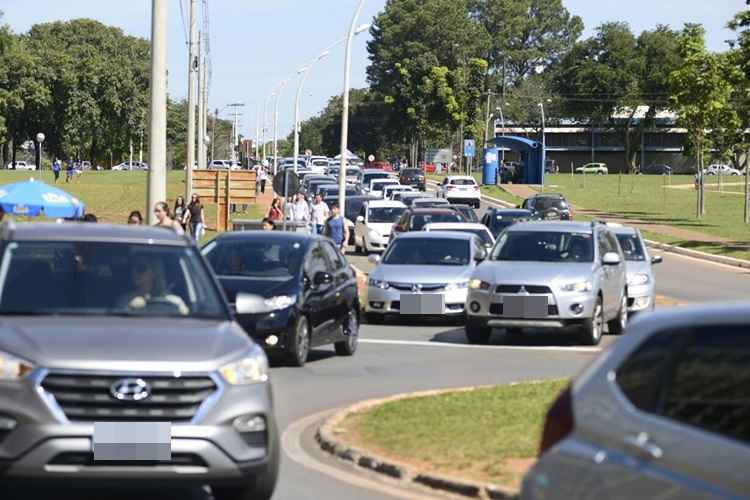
(270, 236)
(509, 211)
(86, 231)
(547, 195)
(430, 210)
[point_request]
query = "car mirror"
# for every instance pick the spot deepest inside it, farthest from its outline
(247, 303)
(610, 259)
(322, 278)
(374, 259)
(657, 259)
(481, 254)
(360, 219)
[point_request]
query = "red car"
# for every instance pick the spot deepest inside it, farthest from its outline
(382, 165)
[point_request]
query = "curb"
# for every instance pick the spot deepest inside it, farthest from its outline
(719, 259)
(332, 443)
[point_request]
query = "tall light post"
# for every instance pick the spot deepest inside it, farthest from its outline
(265, 123)
(502, 125)
(345, 108)
(544, 141)
(39, 140)
(276, 127)
(193, 65)
(157, 173)
(235, 106)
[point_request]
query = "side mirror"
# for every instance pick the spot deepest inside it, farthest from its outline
(374, 259)
(481, 254)
(322, 278)
(611, 259)
(247, 303)
(657, 259)
(360, 219)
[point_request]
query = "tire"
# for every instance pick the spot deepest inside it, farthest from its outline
(617, 325)
(600, 173)
(591, 330)
(514, 333)
(299, 342)
(477, 333)
(374, 319)
(351, 331)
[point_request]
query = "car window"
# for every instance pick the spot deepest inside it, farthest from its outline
(335, 261)
(428, 252)
(545, 203)
(463, 182)
(483, 235)
(316, 262)
(255, 258)
(631, 247)
(418, 221)
(604, 244)
(384, 214)
(544, 246)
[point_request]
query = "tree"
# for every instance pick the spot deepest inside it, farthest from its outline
(700, 95)
(527, 35)
(740, 24)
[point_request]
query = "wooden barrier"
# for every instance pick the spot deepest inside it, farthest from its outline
(224, 188)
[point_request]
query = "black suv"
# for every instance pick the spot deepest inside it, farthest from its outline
(303, 292)
(497, 219)
(548, 206)
(413, 177)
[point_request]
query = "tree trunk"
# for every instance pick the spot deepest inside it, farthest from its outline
(699, 181)
(747, 189)
(13, 154)
(629, 154)
(702, 187)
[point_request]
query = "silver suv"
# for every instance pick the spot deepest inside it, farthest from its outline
(110, 332)
(550, 275)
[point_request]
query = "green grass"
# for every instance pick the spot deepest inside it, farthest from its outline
(469, 434)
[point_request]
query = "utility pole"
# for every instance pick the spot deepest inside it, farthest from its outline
(192, 77)
(213, 135)
(276, 129)
(201, 103)
(157, 173)
(204, 114)
(265, 129)
(257, 131)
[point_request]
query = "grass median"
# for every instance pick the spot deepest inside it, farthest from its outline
(490, 435)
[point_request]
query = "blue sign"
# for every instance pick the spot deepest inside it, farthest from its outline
(470, 148)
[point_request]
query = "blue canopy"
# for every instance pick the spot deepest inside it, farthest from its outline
(32, 198)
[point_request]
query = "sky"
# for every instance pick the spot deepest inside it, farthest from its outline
(256, 44)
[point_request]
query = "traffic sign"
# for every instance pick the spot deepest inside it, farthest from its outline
(288, 188)
(470, 148)
(371, 158)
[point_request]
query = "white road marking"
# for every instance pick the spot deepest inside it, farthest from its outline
(425, 343)
(291, 443)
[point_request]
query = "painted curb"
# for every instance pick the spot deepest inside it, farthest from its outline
(331, 442)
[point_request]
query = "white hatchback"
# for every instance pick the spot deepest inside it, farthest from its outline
(374, 222)
(460, 189)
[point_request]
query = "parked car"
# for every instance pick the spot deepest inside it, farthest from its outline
(414, 219)
(304, 294)
(657, 169)
(388, 191)
(460, 188)
(21, 165)
(662, 413)
(480, 230)
(716, 168)
(423, 274)
(127, 327)
(550, 275)
(593, 168)
(373, 224)
(469, 213)
(376, 186)
(548, 206)
(413, 177)
(130, 166)
(497, 219)
(638, 264)
(219, 165)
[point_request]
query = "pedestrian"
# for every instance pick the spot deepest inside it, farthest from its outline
(268, 224)
(179, 211)
(274, 212)
(196, 217)
(78, 170)
(69, 171)
(56, 169)
(261, 177)
(135, 218)
(335, 227)
(320, 214)
(164, 218)
(301, 212)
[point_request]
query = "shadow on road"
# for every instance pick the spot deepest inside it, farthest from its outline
(25, 491)
(529, 338)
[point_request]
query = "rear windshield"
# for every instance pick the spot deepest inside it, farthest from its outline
(483, 234)
(418, 221)
(412, 173)
(463, 182)
(384, 214)
(546, 203)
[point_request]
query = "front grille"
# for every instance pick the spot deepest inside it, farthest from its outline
(425, 287)
(531, 289)
(88, 397)
(86, 459)
(497, 309)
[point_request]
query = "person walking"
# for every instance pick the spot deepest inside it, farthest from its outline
(135, 218)
(261, 177)
(196, 217)
(179, 211)
(164, 218)
(56, 169)
(274, 212)
(69, 171)
(336, 228)
(301, 212)
(320, 214)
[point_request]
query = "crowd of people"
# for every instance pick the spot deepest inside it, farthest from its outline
(317, 216)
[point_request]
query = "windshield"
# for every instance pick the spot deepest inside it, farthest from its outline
(428, 252)
(418, 221)
(483, 234)
(545, 203)
(352, 172)
(59, 277)
(542, 246)
(384, 214)
(463, 182)
(379, 185)
(368, 177)
(631, 247)
(255, 258)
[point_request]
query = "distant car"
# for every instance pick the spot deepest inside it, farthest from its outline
(638, 264)
(130, 166)
(333, 190)
(414, 219)
(220, 165)
(469, 213)
(662, 413)
(477, 229)
(382, 165)
(548, 206)
(388, 191)
(460, 188)
(657, 169)
(593, 168)
(377, 185)
(312, 177)
(408, 198)
(314, 186)
(368, 175)
(497, 219)
(716, 168)
(373, 225)
(430, 202)
(413, 177)
(21, 165)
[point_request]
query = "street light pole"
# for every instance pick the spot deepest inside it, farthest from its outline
(39, 140)
(345, 109)
(276, 129)
(304, 73)
(502, 125)
(192, 93)
(544, 144)
(157, 179)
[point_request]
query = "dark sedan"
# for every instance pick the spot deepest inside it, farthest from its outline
(303, 292)
(548, 206)
(497, 219)
(413, 177)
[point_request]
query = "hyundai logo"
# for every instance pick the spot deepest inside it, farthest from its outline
(130, 389)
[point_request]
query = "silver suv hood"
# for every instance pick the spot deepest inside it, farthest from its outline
(533, 273)
(123, 344)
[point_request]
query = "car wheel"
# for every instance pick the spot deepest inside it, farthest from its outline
(600, 173)
(350, 330)
(591, 333)
(617, 325)
(299, 342)
(477, 332)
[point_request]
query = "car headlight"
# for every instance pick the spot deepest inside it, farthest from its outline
(379, 284)
(457, 286)
(581, 286)
(280, 302)
(252, 369)
(477, 284)
(638, 279)
(13, 368)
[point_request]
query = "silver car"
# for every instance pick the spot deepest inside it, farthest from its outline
(638, 264)
(550, 275)
(423, 273)
(664, 413)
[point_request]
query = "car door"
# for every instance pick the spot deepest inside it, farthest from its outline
(317, 299)
(681, 422)
(609, 276)
(344, 288)
(620, 278)
(360, 227)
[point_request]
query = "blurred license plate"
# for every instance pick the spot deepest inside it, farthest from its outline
(132, 441)
(525, 307)
(425, 303)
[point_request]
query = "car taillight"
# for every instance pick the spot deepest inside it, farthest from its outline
(559, 421)
(476, 188)
(451, 187)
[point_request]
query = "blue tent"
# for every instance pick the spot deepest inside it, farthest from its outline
(532, 157)
(31, 198)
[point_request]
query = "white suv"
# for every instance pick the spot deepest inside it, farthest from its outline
(460, 189)
(716, 168)
(21, 165)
